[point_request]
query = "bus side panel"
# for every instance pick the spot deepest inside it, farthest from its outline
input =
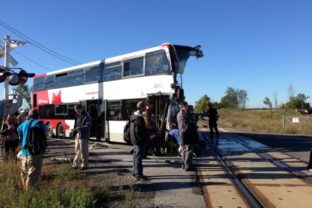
(116, 131)
(137, 87)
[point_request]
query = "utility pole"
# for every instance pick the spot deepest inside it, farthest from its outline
(6, 41)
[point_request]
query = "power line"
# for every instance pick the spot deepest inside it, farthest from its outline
(31, 60)
(38, 45)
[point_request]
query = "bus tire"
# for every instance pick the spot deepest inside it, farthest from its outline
(60, 130)
(50, 130)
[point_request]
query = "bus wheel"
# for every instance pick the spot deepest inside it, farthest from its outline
(50, 130)
(60, 130)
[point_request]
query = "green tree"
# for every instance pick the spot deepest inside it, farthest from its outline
(234, 98)
(267, 102)
(201, 106)
(242, 98)
(24, 90)
(298, 101)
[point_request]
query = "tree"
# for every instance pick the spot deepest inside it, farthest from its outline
(275, 100)
(298, 101)
(242, 98)
(25, 92)
(234, 98)
(291, 91)
(201, 106)
(267, 102)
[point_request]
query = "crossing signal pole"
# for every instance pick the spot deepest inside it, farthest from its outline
(6, 41)
(7, 75)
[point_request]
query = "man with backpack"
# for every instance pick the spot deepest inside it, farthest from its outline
(138, 134)
(33, 134)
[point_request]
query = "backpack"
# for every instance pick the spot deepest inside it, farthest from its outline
(36, 139)
(127, 135)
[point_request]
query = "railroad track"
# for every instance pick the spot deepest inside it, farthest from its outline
(242, 174)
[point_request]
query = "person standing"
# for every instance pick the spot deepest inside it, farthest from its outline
(183, 119)
(21, 116)
(213, 118)
(307, 112)
(10, 137)
(82, 135)
(153, 142)
(138, 134)
(30, 164)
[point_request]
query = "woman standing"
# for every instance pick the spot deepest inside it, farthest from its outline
(10, 137)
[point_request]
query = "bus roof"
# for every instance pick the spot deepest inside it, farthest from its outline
(107, 60)
(117, 58)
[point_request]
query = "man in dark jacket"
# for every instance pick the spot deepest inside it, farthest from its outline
(213, 118)
(138, 134)
(184, 119)
(82, 136)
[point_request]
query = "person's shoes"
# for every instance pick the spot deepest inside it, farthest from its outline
(131, 151)
(83, 168)
(190, 168)
(136, 178)
(140, 178)
(183, 166)
(74, 167)
(144, 178)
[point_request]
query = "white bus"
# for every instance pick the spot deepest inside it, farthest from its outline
(110, 89)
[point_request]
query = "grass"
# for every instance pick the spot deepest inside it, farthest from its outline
(60, 186)
(264, 121)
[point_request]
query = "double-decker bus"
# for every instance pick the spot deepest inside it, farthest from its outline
(110, 89)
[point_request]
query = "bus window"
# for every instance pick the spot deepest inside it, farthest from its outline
(129, 106)
(71, 111)
(61, 80)
(133, 67)
(112, 73)
(46, 111)
(114, 110)
(38, 84)
(60, 109)
(49, 82)
(156, 63)
(75, 77)
(93, 74)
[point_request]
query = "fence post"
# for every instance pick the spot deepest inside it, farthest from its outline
(283, 121)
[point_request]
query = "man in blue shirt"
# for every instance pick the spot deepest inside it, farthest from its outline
(30, 164)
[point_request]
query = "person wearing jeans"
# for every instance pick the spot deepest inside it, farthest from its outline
(138, 134)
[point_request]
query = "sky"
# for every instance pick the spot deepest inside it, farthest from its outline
(260, 46)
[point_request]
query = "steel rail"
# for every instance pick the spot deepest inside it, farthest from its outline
(277, 162)
(250, 199)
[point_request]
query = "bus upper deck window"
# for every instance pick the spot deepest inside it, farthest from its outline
(133, 67)
(156, 63)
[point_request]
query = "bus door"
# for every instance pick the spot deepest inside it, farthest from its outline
(159, 109)
(93, 107)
